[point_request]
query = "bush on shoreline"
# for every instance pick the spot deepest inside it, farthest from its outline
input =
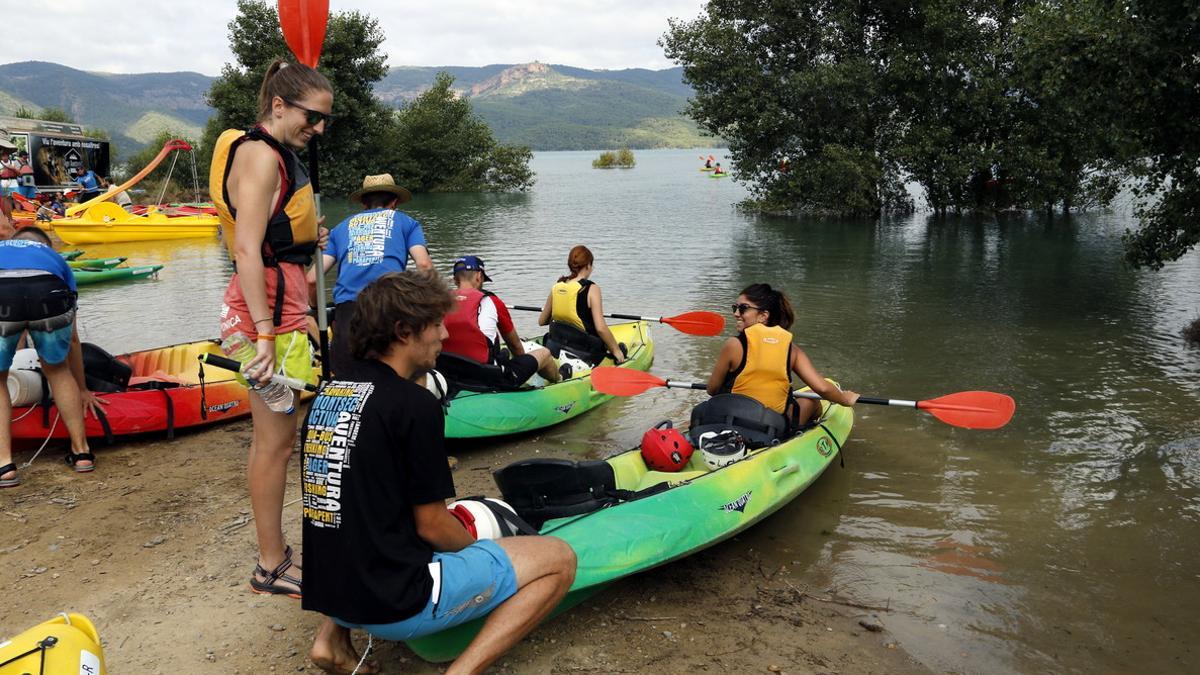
(1191, 332)
(621, 159)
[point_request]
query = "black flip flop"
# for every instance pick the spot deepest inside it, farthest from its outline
(74, 460)
(9, 482)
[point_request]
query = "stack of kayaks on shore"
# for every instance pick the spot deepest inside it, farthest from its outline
(480, 414)
(669, 516)
(89, 271)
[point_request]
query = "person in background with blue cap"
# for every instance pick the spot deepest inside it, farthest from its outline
(366, 246)
(480, 321)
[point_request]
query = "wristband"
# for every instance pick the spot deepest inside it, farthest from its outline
(266, 337)
(258, 321)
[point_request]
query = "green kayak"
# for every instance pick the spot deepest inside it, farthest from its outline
(718, 175)
(87, 276)
(96, 263)
(70, 255)
(483, 414)
(700, 508)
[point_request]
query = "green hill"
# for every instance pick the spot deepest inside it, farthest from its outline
(545, 107)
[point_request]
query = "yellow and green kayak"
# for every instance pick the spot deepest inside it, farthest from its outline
(700, 508)
(475, 414)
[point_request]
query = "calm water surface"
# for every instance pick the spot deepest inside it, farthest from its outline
(1066, 541)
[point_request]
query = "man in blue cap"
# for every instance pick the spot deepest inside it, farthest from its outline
(480, 321)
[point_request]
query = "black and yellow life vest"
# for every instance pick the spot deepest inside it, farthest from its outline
(569, 305)
(292, 228)
(765, 371)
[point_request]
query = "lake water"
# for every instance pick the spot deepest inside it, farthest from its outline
(1065, 541)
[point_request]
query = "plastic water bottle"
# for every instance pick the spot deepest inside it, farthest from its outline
(277, 396)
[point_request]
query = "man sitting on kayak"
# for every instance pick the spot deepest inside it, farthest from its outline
(480, 320)
(381, 551)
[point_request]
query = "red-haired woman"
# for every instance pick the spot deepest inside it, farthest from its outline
(575, 302)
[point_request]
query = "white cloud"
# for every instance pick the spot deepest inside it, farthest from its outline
(137, 36)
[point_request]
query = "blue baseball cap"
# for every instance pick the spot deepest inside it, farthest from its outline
(470, 263)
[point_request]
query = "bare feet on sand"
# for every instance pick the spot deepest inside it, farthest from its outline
(333, 652)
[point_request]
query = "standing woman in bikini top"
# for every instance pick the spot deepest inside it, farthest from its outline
(575, 300)
(269, 221)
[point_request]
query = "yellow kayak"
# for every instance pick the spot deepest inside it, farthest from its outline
(106, 223)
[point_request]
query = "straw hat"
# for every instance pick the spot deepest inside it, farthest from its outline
(381, 183)
(6, 140)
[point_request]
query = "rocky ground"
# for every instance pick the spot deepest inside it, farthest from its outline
(156, 548)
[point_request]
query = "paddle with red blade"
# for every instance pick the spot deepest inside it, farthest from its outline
(967, 409)
(693, 323)
(303, 23)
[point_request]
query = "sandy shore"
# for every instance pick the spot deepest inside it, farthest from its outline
(156, 548)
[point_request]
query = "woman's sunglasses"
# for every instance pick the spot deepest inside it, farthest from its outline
(741, 307)
(313, 117)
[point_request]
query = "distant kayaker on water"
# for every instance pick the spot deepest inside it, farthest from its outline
(718, 170)
(575, 311)
(264, 201)
(365, 246)
(37, 294)
(382, 552)
(759, 362)
(480, 322)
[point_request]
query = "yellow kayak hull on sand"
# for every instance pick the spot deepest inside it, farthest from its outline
(107, 223)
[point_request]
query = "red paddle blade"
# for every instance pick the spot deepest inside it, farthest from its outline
(697, 323)
(972, 409)
(616, 381)
(303, 23)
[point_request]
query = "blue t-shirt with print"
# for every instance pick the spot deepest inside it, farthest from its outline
(89, 181)
(368, 245)
(21, 254)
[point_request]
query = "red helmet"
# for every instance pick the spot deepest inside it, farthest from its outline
(664, 448)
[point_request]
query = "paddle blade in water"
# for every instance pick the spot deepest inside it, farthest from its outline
(622, 381)
(972, 409)
(697, 323)
(303, 23)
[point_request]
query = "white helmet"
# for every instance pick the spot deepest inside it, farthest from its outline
(25, 359)
(722, 448)
(481, 517)
(435, 382)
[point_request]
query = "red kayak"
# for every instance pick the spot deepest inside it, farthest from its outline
(163, 394)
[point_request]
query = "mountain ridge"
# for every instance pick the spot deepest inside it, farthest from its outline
(545, 106)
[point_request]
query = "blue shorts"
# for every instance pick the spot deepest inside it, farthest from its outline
(466, 585)
(52, 347)
(41, 304)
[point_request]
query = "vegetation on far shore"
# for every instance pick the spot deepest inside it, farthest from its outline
(621, 159)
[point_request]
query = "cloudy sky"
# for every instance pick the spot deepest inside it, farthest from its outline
(159, 35)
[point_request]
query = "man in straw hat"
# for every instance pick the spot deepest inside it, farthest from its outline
(8, 164)
(366, 246)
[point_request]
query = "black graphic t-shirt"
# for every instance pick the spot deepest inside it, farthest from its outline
(373, 448)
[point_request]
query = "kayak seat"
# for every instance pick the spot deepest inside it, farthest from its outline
(758, 424)
(544, 489)
(463, 373)
(104, 372)
(581, 345)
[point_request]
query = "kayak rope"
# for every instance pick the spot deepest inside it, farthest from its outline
(49, 435)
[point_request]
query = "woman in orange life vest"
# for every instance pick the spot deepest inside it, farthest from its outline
(759, 362)
(269, 221)
(575, 300)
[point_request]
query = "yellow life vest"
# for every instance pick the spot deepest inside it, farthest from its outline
(765, 372)
(568, 305)
(292, 228)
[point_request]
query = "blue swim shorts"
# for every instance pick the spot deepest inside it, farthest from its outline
(41, 304)
(466, 585)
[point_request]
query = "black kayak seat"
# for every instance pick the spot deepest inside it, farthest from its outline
(758, 424)
(465, 373)
(588, 348)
